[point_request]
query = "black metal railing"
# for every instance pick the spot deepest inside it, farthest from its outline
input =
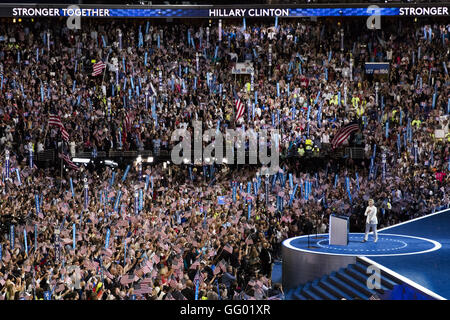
(164, 155)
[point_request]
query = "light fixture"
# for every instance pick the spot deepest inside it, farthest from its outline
(81, 160)
(111, 163)
(150, 159)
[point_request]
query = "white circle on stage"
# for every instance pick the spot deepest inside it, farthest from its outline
(383, 252)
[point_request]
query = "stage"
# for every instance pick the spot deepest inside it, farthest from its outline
(387, 245)
(418, 251)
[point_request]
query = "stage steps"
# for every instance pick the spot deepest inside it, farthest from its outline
(348, 283)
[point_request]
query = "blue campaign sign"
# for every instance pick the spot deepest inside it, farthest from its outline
(221, 200)
(47, 295)
(108, 234)
(377, 67)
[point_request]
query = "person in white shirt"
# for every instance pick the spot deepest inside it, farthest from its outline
(371, 221)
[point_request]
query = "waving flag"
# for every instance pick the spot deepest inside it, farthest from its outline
(68, 161)
(55, 120)
(240, 108)
(343, 134)
(128, 121)
(98, 68)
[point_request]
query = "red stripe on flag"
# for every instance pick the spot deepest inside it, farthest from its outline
(68, 161)
(340, 134)
(343, 134)
(239, 109)
(56, 121)
(98, 67)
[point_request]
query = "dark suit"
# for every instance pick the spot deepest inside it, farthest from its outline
(188, 293)
(266, 261)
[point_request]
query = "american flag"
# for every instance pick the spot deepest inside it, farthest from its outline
(128, 121)
(107, 252)
(198, 276)
(68, 161)
(217, 269)
(145, 270)
(221, 266)
(344, 133)
(128, 278)
(240, 108)
(228, 248)
(194, 265)
(59, 288)
(55, 120)
(142, 288)
(173, 283)
(98, 67)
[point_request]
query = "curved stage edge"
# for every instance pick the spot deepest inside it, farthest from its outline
(306, 260)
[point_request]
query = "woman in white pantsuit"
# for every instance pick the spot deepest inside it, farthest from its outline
(371, 221)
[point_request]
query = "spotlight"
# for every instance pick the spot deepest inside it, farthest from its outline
(81, 160)
(111, 163)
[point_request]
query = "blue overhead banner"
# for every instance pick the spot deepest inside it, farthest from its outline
(377, 67)
(201, 12)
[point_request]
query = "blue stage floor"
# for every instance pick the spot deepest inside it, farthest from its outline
(431, 269)
(418, 250)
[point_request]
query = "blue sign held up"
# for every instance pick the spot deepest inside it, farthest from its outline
(221, 200)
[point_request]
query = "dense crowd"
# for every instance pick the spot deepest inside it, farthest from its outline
(188, 231)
